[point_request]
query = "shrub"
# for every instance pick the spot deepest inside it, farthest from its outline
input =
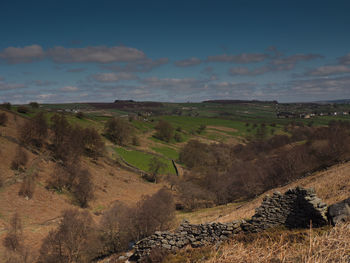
(165, 131)
(60, 128)
(20, 159)
(2, 179)
(59, 178)
(34, 132)
(34, 105)
(116, 228)
(92, 141)
(6, 105)
(22, 109)
(80, 115)
(122, 224)
(157, 255)
(27, 187)
(178, 137)
(14, 237)
(201, 128)
(82, 188)
(69, 142)
(261, 132)
(118, 131)
(156, 166)
(3, 119)
(75, 179)
(193, 196)
(153, 213)
(75, 240)
(194, 154)
(136, 141)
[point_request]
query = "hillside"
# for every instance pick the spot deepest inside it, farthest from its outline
(232, 163)
(42, 212)
(331, 185)
(298, 245)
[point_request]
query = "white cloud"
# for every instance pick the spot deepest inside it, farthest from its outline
(143, 65)
(22, 54)
(97, 54)
(345, 59)
(69, 88)
(293, 59)
(42, 83)
(329, 70)
(46, 96)
(244, 71)
(113, 77)
(188, 62)
(4, 86)
(76, 70)
(240, 58)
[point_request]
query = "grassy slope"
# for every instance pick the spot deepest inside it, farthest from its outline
(227, 123)
(331, 185)
(41, 213)
(142, 160)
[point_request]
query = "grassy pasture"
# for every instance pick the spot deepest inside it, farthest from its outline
(167, 152)
(141, 160)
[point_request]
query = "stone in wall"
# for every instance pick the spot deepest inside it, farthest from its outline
(339, 212)
(187, 234)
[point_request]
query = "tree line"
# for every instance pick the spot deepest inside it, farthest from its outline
(221, 173)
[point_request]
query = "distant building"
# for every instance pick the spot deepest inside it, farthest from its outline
(286, 115)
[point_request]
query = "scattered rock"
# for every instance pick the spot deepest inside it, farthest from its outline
(339, 212)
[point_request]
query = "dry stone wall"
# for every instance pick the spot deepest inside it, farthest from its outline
(296, 208)
(187, 234)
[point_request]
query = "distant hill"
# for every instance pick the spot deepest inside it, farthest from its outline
(126, 104)
(342, 101)
(238, 101)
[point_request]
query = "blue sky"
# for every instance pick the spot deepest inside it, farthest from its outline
(78, 51)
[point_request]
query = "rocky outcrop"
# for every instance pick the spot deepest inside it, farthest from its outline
(339, 212)
(296, 208)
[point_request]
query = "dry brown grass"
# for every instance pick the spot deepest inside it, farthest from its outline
(332, 246)
(42, 212)
(331, 185)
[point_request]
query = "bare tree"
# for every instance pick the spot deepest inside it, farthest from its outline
(156, 167)
(14, 237)
(20, 159)
(82, 188)
(165, 131)
(73, 241)
(3, 118)
(93, 144)
(34, 132)
(27, 187)
(119, 131)
(116, 226)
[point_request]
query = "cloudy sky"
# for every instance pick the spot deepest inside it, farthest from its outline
(80, 51)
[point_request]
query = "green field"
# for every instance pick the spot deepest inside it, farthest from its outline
(226, 123)
(167, 152)
(141, 160)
